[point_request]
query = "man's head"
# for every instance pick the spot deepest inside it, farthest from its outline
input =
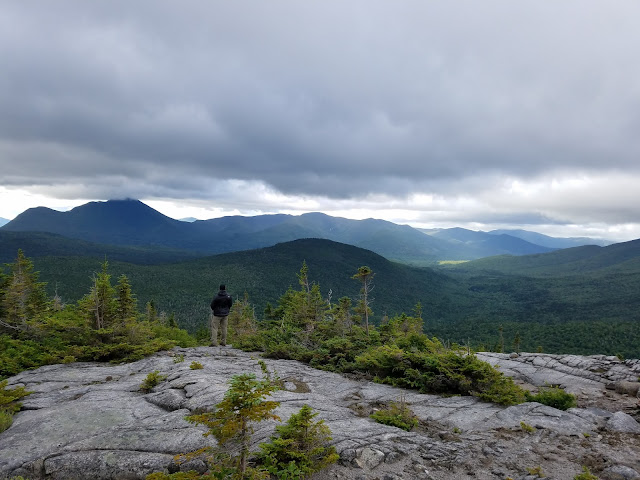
(223, 287)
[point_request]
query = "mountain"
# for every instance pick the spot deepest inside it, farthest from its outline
(483, 244)
(132, 223)
(552, 242)
(116, 222)
(3, 221)
(617, 258)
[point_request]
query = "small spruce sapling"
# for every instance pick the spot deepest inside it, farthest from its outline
(585, 475)
(299, 448)
(231, 422)
(196, 366)
(151, 380)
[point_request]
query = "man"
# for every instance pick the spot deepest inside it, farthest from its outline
(220, 306)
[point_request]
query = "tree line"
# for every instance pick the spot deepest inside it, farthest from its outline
(104, 325)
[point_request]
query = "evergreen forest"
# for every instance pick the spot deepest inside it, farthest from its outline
(569, 301)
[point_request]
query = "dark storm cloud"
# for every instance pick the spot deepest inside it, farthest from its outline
(336, 99)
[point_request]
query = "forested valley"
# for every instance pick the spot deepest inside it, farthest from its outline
(570, 307)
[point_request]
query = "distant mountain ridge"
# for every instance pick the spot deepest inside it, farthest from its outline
(133, 223)
(618, 258)
(484, 244)
(3, 221)
(552, 242)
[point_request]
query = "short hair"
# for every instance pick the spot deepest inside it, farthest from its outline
(223, 287)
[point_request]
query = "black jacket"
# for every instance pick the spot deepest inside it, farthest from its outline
(221, 304)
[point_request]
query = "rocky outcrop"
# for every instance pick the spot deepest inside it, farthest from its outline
(87, 420)
(598, 381)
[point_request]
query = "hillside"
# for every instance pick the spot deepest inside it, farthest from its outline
(3, 221)
(573, 300)
(42, 244)
(132, 223)
(617, 258)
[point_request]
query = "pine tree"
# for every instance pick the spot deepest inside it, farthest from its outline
(23, 300)
(341, 314)
(301, 309)
(151, 312)
(516, 342)
(303, 277)
(171, 321)
(242, 319)
(127, 307)
(100, 304)
(365, 276)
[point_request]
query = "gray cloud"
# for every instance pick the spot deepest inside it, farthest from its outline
(337, 100)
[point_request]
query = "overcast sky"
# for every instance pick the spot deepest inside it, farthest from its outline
(444, 113)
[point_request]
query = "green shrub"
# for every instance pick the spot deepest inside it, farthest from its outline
(553, 397)
(526, 427)
(9, 397)
(196, 366)
(6, 420)
(152, 379)
(178, 359)
(439, 371)
(585, 475)
(536, 471)
(173, 335)
(397, 414)
(300, 447)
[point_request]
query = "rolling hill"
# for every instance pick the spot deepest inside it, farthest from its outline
(3, 221)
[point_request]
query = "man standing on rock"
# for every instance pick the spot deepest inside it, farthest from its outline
(220, 306)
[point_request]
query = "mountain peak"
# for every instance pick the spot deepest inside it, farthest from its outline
(121, 221)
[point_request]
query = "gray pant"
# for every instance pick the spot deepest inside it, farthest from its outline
(215, 323)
